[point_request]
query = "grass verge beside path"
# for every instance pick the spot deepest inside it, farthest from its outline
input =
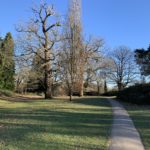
(141, 119)
(55, 124)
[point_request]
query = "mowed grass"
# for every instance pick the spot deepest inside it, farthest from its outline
(55, 124)
(141, 119)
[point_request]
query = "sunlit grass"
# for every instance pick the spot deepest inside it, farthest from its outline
(141, 118)
(55, 124)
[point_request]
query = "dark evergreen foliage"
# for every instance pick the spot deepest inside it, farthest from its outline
(138, 94)
(7, 64)
(143, 60)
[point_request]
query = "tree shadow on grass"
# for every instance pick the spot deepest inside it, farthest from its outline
(93, 101)
(19, 123)
(21, 98)
(84, 122)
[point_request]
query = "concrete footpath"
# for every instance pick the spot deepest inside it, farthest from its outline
(124, 135)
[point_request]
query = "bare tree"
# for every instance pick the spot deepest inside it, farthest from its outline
(21, 79)
(76, 41)
(75, 65)
(39, 37)
(90, 58)
(72, 45)
(96, 71)
(67, 62)
(122, 70)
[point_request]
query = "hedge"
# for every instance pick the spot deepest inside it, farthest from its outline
(138, 94)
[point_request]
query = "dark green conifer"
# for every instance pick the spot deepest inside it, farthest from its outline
(7, 64)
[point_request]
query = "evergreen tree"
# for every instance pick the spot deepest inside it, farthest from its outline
(7, 64)
(142, 57)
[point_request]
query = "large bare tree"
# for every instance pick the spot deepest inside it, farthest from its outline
(75, 65)
(72, 46)
(90, 54)
(76, 51)
(96, 69)
(39, 37)
(122, 70)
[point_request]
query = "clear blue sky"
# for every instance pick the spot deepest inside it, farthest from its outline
(119, 22)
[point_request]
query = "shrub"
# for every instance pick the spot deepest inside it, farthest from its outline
(138, 94)
(110, 93)
(91, 93)
(5, 93)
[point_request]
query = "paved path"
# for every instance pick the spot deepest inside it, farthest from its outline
(124, 136)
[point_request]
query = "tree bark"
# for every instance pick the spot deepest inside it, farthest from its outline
(98, 88)
(70, 93)
(48, 86)
(81, 89)
(105, 87)
(48, 80)
(81, 76)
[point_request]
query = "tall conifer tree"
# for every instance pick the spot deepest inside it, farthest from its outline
(7, 64)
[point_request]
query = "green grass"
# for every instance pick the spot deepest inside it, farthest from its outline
(55, 124)
(141, 119)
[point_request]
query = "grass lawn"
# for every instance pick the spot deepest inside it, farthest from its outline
(55, 124)
(141, 118)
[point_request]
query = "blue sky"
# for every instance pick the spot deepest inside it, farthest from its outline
(119, 22)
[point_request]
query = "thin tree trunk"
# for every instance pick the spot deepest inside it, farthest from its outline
(81, 88)
(81, 78)
(70, 93)
(98, 88)
(105, 87)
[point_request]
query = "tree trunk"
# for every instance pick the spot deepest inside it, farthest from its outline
(48, 93)
(48, 77)
(81, 93)
(70, 97)
(70, 93)
(120, 86)
(48, 73)
(105, 86)
(48, 90)
(48, 85)
(98, 88)
(81, 78)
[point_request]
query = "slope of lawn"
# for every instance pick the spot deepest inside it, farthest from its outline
(141, 119)
(55, 124)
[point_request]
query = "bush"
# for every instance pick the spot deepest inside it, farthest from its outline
(111, 93)
(138, 94)
(91, 93)
(5, 93)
